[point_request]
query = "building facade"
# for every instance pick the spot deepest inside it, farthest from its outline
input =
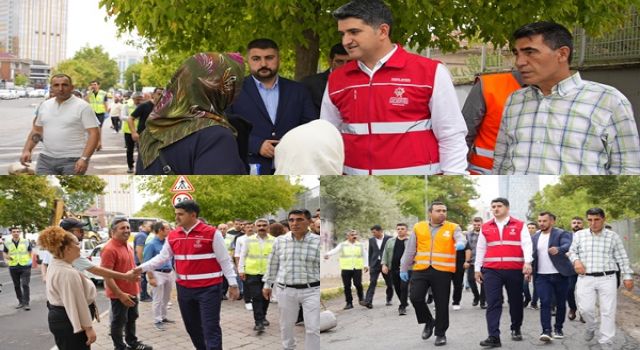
(519, 190)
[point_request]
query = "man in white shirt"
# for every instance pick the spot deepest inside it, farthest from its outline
(239, 244)
(68, 129)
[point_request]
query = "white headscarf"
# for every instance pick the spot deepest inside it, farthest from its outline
(314, 148)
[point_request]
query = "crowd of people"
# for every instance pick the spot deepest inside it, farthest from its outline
(582, 268)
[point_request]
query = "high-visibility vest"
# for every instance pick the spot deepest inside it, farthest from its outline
(503, 253)
(496, 88)
(20, 254)
(125, 125)
(97, 102)
(437, 250)
(255, 262)
(386, 120)
(228, 239)
(351, 256)
(196, 263)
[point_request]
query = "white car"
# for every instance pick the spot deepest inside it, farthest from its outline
(8, 94)
(94, 256)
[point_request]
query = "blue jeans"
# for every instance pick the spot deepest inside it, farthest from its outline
(549, 286)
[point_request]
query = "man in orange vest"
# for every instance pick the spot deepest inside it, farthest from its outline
(482, 112)
(503, 259)
(432, 252)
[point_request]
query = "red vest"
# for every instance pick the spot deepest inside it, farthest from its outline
(386, 119)
(505, 253)
(196, 264)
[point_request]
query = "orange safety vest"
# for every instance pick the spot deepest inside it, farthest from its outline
(438, 250)
(496, 88)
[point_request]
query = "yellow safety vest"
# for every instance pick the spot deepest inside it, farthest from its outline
(125, 125)
(256, 260)
(228, 239)
(97, 102)
(438, 251)
(19, 254)
(351, 256)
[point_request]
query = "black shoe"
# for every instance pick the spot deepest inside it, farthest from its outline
(389, 303)
(140, 346)
(166, 320)
(475, 302)
(525, 303)
(483, 305)
(27, 307)
(491, 342)
(259, 327)
(558, 334)
(516, 335)
(369, 306)
(534, 306)
(266, 322)
(20, 306)
(430, 299)
(427, 331)
(348, 306)
(545, 337)
(363, 303)
(572, 315)
(402, 311)
(146, 300)
(441, 340)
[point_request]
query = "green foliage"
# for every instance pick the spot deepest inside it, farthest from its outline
(132, 75)
(222, 198)
(79, 192)
(20, 80)
(455, 192)
(204, 25)
(90, 63)
(25, 201)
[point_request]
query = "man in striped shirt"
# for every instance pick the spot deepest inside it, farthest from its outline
(594, 253)
(561, 124)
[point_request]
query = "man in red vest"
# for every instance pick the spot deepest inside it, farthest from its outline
(503, 258)
(201, 258)
(397, 111)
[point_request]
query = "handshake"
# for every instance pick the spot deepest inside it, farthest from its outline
(133, 275)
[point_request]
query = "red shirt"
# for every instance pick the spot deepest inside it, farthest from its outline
(118, 256)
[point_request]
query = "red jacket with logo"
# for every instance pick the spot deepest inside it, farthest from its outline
(386, 119)
(505, 253)
(196, 263)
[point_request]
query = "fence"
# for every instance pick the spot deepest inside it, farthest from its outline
(629, 231)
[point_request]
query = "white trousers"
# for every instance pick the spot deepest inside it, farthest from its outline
(161, 294)
(289, 301)
(603, 289)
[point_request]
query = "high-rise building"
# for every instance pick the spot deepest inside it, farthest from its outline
(519, 190)
(34, 29)
(124, 61)
(118, 195)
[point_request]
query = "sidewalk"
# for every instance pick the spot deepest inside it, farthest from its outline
(382, 328)
(236, 322)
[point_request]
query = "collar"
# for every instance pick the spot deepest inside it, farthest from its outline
(363, 67)
(564, 87)
(304, 238)
(260, 85)
(118, 243)
(502, 222)
(191, 228)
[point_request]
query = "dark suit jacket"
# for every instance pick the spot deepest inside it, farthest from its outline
(294, 108)
(560, 239)
(316, 84)
(375, 254)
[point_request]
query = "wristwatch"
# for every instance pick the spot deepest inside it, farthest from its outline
(86, 159)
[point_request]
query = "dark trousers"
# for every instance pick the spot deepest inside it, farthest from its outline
(525, 290)
(549, 285)
(130, 144)
(200, 309)
(253, 286)
(225, 286)
(356, 276)
(458, 278)
(373, 282)
(494, 281)
(123, 318)
(115, 121)
(100, 117)
(440, 284)
(143, 287)
(21, 276)
(471, 279)
(62, 330)
(571, 293)
(401, 287)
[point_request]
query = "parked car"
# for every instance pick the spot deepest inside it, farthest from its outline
(21, 92)
(87, 246)
(37, 93)
(94, 256)
(8, 94)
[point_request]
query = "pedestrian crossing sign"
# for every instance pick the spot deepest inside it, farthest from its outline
(182, 184)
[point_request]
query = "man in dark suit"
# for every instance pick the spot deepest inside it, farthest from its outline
(317, 83)
(552, 269)
(274, 105)
(376, 248)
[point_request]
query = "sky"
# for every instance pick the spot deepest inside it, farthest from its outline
(487, 186)
(86, 25)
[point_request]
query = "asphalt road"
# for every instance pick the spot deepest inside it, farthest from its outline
(16, 117)
(28, 330)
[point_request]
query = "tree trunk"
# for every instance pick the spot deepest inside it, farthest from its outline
(307, 57)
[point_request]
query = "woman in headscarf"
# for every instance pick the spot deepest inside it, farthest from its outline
(188, 132)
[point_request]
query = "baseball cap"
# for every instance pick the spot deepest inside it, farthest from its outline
(68, 223)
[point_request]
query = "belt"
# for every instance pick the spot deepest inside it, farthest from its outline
(300, 286)
(600, 274)
(164, 270)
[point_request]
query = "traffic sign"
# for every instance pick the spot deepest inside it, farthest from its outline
(179, 197)
(182, 184)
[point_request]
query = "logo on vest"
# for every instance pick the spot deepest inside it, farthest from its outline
(398, 99)
(512, 232)
(197, 244)
(446, 234)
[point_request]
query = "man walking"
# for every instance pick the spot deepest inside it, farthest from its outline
(552, 270)
(577, 224)
(596, 253)
(294, 268)
(139, 242)
(201, 259)
(472, 241)
(353, 259)
(503, 256)
(432, 252)
(18, 253)
(393, 251)
(376, 248)
(68, 129)
(160, 279)
(252, 267)
(97, 98)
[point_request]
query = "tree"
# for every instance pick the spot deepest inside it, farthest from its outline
(79, 192)
(222, 198)
(81, 72)
(20, 79)
(90, 63)
(132, 76)
(306, 27)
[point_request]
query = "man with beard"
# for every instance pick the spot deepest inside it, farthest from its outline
(577, 224)
(391, 265)
(274, 105)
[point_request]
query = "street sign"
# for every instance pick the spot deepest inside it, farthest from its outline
(179, 197)
(182, 184)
